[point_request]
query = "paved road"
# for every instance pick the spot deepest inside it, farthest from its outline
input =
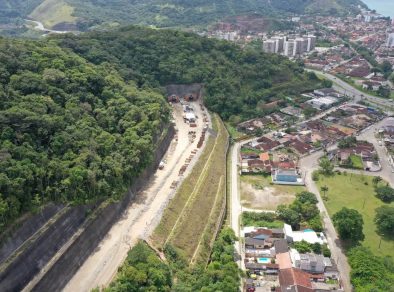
(236, 208)
(349, 90)
(308, 165)
(369, 135)
(40, 26)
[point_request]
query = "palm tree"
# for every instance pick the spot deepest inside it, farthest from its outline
(324, 189)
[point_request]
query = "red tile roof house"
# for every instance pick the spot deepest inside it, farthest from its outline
(266, 144)
(294, 280)
(301, 147)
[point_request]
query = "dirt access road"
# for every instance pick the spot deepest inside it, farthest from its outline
(141, 217)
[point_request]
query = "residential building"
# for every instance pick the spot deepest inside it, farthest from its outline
(290, 48)
(308, 235)
(390, 40)
(286, 177)
(322, 103)
(311, 43)
(269, 46)
(294, 280)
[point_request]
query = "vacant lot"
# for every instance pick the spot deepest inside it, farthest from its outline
(257, 192)
(357, 192)
(191, 218)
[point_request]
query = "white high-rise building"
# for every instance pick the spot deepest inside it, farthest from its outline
(280, 41)
(390, 40)
(311, 43)
(299, 46)
(290, 48)
(270, 46)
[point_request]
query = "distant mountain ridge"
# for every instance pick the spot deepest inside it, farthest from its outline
(171, 13)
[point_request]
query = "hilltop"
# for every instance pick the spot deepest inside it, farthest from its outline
(88, 14)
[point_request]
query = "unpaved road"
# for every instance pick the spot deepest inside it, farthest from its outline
(141, 217)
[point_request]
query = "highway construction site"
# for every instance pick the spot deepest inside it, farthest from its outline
(81, 248)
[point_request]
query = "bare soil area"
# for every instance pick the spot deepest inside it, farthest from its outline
(258, 193)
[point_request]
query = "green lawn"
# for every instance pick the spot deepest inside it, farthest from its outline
(357, 162)
(245, 150)
(234, 133)
(357, 192)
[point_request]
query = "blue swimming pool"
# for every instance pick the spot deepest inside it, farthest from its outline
(263, 260)
(308, 230)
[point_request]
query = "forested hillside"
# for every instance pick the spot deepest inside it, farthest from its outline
(87, 14)
(198, 12)
(238, 82)
(69, 131)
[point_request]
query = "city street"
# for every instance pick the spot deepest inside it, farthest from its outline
(369, 135)
(347, 89)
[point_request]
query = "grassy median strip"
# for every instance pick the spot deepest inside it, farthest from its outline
(190, 221)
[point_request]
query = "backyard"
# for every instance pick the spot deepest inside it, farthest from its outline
(357, 192)
(257, 192)
(356, 162)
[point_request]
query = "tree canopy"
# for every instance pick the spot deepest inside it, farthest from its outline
(369, 272)
(143, 270)
(69, 130)
(384, 220)
(349, 224)
(385, 193)
(302, 210)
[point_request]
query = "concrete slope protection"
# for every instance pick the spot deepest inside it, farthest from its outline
(44, 257)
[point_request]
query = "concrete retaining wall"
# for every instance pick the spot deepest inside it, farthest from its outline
(30, 261)
(14, 239)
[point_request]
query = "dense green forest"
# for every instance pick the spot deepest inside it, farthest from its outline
(13, 9)
(160, 13)
(144, 271)
(238, 82)
(69, 130)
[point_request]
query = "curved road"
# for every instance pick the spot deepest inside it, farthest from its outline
(40, 26)
(347, 89)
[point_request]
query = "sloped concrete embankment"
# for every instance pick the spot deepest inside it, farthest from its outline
(64, 237)
(14, 238)
(67, 265)
(17, 271)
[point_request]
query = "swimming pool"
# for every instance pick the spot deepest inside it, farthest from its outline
(308, 230)
(263, 260)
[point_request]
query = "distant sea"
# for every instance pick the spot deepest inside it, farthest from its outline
(384, 7)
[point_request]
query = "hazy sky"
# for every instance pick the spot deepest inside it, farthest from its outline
(385, 7)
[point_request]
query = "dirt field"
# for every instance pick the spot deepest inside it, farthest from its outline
(141, 217)
(257, 192)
